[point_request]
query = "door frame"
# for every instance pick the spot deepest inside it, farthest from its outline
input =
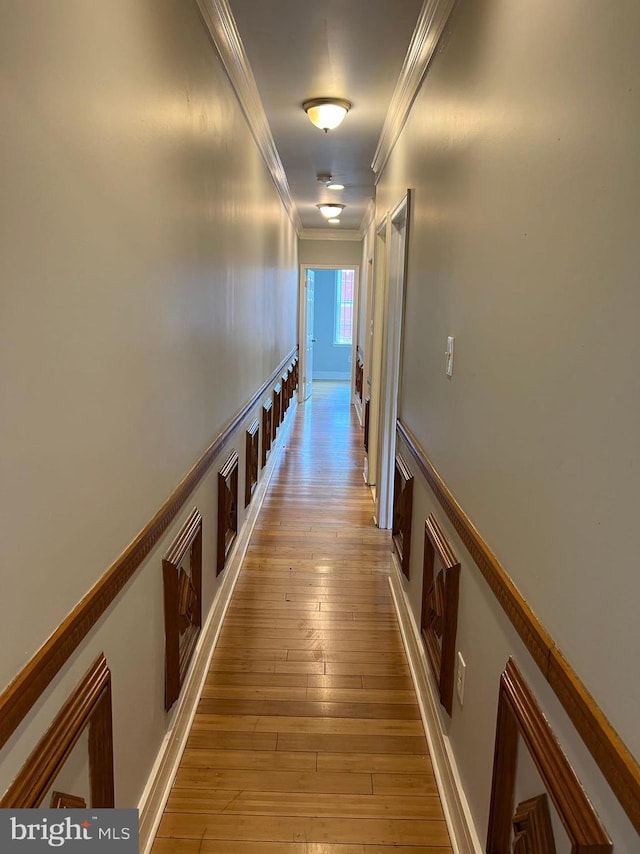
(302, 323)
(396, 251)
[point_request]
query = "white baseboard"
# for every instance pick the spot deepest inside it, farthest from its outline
(464, 837)
(156, 792)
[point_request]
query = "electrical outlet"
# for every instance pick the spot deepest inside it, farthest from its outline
(460, 673)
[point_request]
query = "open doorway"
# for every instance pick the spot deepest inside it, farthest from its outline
(328, 310)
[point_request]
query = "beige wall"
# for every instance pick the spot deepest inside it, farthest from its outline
(149, 287)
(347, 252)
(522, 151)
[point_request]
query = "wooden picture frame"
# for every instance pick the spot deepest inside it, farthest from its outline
(532, 828)
(89, 705)
(267, 428)
(227, 509)
(520, 718)
(182, 604)
(251, 461)
(277, 410)
(367, 416)
(402, 512)
(291, 380)
(64, 801)
(439, 617)
(359, 377)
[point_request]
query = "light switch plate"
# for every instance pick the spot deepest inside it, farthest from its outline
(449, 355)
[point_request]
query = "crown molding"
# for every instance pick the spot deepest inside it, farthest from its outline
(329, 234)
(431, 22)
(368, 218)
(222, 28)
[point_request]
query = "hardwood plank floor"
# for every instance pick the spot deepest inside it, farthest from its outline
(308, 738)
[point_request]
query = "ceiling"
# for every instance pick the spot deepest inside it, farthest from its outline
(353, 49)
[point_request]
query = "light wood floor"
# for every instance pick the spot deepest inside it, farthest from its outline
(308, 738)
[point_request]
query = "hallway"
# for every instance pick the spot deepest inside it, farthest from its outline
(308, 736)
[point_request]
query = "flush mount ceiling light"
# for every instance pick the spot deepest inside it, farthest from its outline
(330, 210)
(334, 221)
(326, 113)
(335, 186)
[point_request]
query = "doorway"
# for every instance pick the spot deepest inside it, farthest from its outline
(328, 302)
(394, 246)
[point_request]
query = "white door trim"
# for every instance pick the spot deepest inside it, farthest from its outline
(396, 245)
(303, 318)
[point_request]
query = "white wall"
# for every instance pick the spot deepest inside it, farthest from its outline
(149, 287)
(522, 151)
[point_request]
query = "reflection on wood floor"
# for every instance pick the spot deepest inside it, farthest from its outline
(308, 738)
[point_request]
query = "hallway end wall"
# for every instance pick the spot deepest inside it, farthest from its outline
(521, 152)
(150, 278)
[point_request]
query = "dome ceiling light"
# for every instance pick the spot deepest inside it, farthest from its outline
(330, 210)
(326, 113)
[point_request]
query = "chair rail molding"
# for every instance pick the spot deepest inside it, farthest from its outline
(520, 718)
(89, 705)
(619, 767)
(22, 693)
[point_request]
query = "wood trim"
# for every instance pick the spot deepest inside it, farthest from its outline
(276, 418)
(88, 705)
(222, 28)
(267, 428)
(402, 512)
(251, 460)
(424, 41)
(367, 421)
(359, 377)
(153, 800)
(64, 801)
(439, 617)
(227, 509)
(461, 826)
(532, 828)
(182, 604)
(22, 693)
(520, 717)
(619, 767)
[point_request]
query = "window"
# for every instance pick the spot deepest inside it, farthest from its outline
(344, 306)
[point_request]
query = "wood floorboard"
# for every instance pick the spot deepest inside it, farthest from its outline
(307, 737)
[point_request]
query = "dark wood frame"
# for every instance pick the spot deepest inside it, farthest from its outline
(227, 509)
(65, 801)
(89, 705)
(359, 378)
(439, 617)
(402, 512)
(267, 428)
(619, 767)
(251, 461)
(182, 604)
(519, 716)
(277, 409)
(291, 380)
(532, 828)
(367, 416)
